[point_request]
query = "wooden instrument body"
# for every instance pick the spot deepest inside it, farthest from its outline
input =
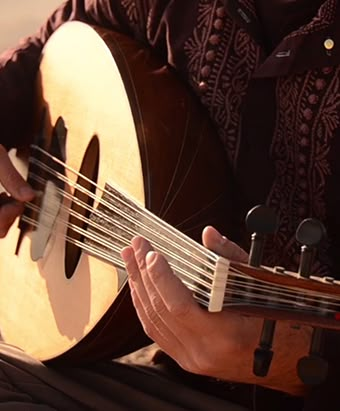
(155, 143)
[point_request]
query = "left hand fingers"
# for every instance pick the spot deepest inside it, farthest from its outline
(162, 302)
(222, 246)
(135, 265)
(146, 301)
(166, 293)
(170, 293)
(169, 314)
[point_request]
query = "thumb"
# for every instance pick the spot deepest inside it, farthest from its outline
(12, 180)
(222, 246)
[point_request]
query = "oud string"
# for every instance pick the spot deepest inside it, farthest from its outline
(102, 241)
(259, 299)
(114, 260)
(113, 234)
(282, 295)
(170, 233)
(201, 258)
(184, 275)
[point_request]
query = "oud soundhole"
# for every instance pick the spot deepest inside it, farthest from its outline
(81, 206)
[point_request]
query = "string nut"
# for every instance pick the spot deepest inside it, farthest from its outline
(279, 270)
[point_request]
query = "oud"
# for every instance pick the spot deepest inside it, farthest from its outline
(111, 120)
(123, 149)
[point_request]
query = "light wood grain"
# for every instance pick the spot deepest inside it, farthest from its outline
(93, 103)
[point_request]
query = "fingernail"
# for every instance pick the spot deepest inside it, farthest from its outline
(150, 257)
(136, 242)
(223, 240)
(126, 254)
(218, 237)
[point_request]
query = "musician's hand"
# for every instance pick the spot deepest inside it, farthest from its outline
(219, 345)
(18, 191)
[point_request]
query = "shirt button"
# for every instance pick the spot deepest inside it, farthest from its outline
(202, 86)
(214, 39)
(320, 84)
(313, 99)
(220, 12)
(304, 129)
(329, 44)
(304, 142)
(210, 55)
(218, 24)
(206, 71)
(308, 114)
(302, 159)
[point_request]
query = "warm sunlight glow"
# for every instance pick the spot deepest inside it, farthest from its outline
(19, 18)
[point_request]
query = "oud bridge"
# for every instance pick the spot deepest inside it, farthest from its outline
(40, 214)
(47, 174)
(50, 202)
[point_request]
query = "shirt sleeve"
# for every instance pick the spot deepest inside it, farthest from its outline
(18, 66)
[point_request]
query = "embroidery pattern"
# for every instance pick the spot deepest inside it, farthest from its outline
(249, 5)
(309, 108)
(131, 10)
(324, 18)
(221, 58)
(138, 14)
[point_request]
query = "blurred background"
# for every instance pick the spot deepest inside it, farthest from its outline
(19, 18)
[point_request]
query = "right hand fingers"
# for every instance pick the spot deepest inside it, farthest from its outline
(9, 210)
(11, 179)
(11, 204)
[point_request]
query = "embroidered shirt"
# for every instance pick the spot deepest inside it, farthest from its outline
(278, 18)
(277, 113)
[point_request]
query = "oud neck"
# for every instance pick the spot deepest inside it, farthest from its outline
(122, 218)
(215, 282)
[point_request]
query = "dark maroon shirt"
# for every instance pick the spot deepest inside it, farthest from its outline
(279, 18)
(271, 88)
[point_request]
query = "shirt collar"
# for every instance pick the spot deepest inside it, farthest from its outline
(315, 45)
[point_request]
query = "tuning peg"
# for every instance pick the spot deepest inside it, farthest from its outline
(309, 234)
(312, 369)
(263, 354)
(261, 220)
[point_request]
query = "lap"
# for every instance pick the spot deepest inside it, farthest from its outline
(27, 384)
